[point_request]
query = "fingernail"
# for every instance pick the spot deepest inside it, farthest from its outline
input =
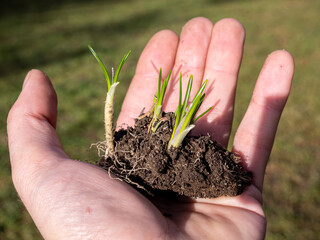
(26, 79)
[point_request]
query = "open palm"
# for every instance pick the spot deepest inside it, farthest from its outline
(69, 199)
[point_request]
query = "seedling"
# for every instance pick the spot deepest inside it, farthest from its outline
(185, 115)
(157, 102)
(109, 105)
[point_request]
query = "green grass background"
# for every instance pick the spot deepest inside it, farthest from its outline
(53, 36)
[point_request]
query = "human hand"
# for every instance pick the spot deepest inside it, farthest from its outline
(68, 199)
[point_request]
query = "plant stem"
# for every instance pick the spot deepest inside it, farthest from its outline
(108, 119)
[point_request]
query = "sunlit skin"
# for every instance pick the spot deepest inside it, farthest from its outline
(69, 199)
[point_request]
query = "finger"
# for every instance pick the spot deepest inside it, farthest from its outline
(191, 57)
(255, 135)
(221, 70)
(159, 53)
(33, 142)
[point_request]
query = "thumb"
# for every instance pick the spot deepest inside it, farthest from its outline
(32, 139)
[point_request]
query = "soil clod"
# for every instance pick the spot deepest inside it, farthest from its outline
(200, 168)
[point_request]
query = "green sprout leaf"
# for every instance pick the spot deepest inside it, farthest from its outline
(158, 100)
(115, 77)
(109, 105)
(202, 114)
(101, 65)
(123, 60)
(185, 114)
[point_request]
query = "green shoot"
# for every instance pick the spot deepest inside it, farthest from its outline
(109, 105)
(158, 100)
(181, 109)
(185, 115)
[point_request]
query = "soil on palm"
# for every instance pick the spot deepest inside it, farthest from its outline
(200, 168)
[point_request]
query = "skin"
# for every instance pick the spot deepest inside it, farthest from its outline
(69, 199)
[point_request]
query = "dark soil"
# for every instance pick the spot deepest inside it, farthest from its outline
(200, 168)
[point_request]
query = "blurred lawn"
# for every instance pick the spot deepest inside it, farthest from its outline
(54, 37)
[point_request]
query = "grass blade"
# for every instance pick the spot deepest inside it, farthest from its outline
(164, 88)
(157, 108)
(125, 57)
(159, 83)
(201, 115)
(179, 108)
(102, 66)
(187, 96)
(199, 105)
(194, 105)
(199, 93)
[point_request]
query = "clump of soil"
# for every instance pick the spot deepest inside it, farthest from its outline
(200, 168)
